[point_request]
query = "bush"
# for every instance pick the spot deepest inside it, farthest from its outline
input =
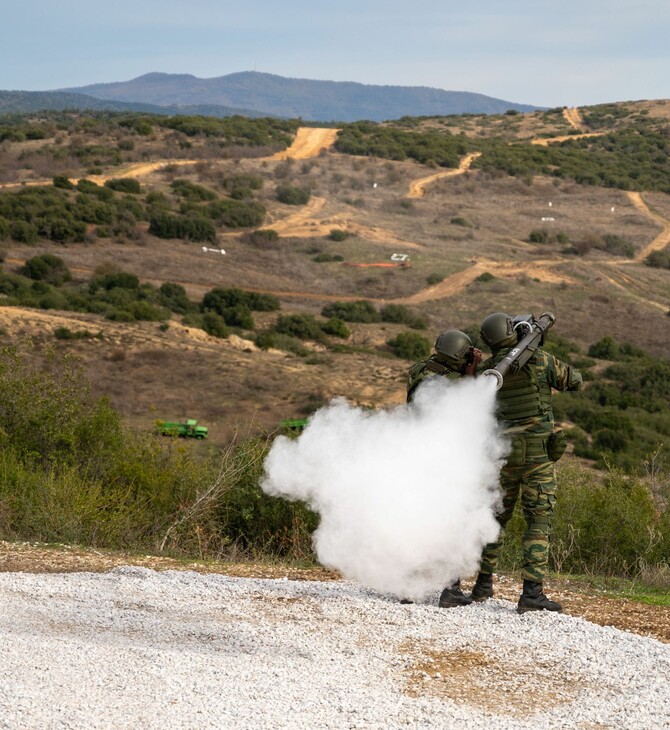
(433, 279)
(360, 311)
(23, 232)
(262, 237)
(236, 213)
(63, 182)
(46, 267)
(410, 346)
(278, 341)
(538, 236)
(605, 526)
(192, 192)
(302, 326)
(399, 314)
(338, 235)
(291, 195)
(605, 349)
(485, 276)
(215, 325)
(219, 300)
(336, 327)
(166, 225)
(124, 185)
(64, 333)
(658, 259)
(322, 258)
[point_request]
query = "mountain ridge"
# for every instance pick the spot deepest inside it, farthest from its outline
(309, 99)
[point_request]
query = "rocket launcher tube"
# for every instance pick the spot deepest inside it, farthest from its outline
(519, 355)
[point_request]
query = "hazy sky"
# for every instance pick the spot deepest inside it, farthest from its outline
(544, 53)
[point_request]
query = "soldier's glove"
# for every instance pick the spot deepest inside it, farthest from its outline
(474, 358)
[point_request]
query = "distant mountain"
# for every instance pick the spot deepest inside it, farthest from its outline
(278, 96)
(12, 102)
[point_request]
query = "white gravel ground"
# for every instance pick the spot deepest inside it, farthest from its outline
(135, 648)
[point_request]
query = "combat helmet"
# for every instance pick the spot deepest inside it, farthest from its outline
(497, 330)
(453, 347)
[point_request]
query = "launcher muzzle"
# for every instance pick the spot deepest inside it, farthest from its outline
(531, 333)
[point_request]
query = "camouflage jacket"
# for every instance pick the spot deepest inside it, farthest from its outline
(427, 369)
(533, 385)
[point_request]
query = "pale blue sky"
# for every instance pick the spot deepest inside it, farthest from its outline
(545, 53)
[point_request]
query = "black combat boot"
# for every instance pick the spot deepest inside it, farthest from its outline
(533, 599)
(453, 596)
(483, 587)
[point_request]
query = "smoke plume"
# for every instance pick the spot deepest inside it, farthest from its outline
(407, 496)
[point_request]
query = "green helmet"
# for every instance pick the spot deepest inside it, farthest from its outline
(453, 347)
(497, 330)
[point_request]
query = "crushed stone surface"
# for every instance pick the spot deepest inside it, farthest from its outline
(137, 648)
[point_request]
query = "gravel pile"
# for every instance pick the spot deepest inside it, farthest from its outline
(135, 648)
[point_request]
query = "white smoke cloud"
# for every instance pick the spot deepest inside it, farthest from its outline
(407, 496)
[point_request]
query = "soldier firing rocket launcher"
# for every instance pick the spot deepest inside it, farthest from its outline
(531, 333)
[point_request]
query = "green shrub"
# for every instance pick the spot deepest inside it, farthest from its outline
(538, 236)
(399, 314)
(174, 297)
(46, 267)
(606, 349)
(433, 279)
(262, 237)
(360, 311)
(192, 192)
(290, 195)
(214, 324)
(658, 259)
(322, 258)
(485, 276)
(236, 213)
(166, 225)
(64, 333)
(302, 326)
(337, 234)
(617, 246)
(219, 300)
(276, 340)
(124, 185)
(61, 181)
(410, 346)
(460, 221)
(336, 327)
(605, 526)
(23, 232)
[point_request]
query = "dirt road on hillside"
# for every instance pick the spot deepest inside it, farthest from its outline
(308, 142)
(137, 169)
(663, 238)
(452, 285)
(574, 118)
(417, 188)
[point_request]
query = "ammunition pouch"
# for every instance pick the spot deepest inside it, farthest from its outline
(557, 443)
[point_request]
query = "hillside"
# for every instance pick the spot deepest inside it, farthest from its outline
(305, 98)
(478, 240)
(21, 102)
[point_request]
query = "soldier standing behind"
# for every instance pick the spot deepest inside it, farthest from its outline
(526, 415)
(454, 358)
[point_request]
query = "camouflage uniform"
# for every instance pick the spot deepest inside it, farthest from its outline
(434, 365)
(526, 415)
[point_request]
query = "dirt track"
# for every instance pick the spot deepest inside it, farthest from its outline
(455, 284)
(308, 142)
(417, 188)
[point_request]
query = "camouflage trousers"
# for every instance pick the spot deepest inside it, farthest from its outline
(537, 484)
